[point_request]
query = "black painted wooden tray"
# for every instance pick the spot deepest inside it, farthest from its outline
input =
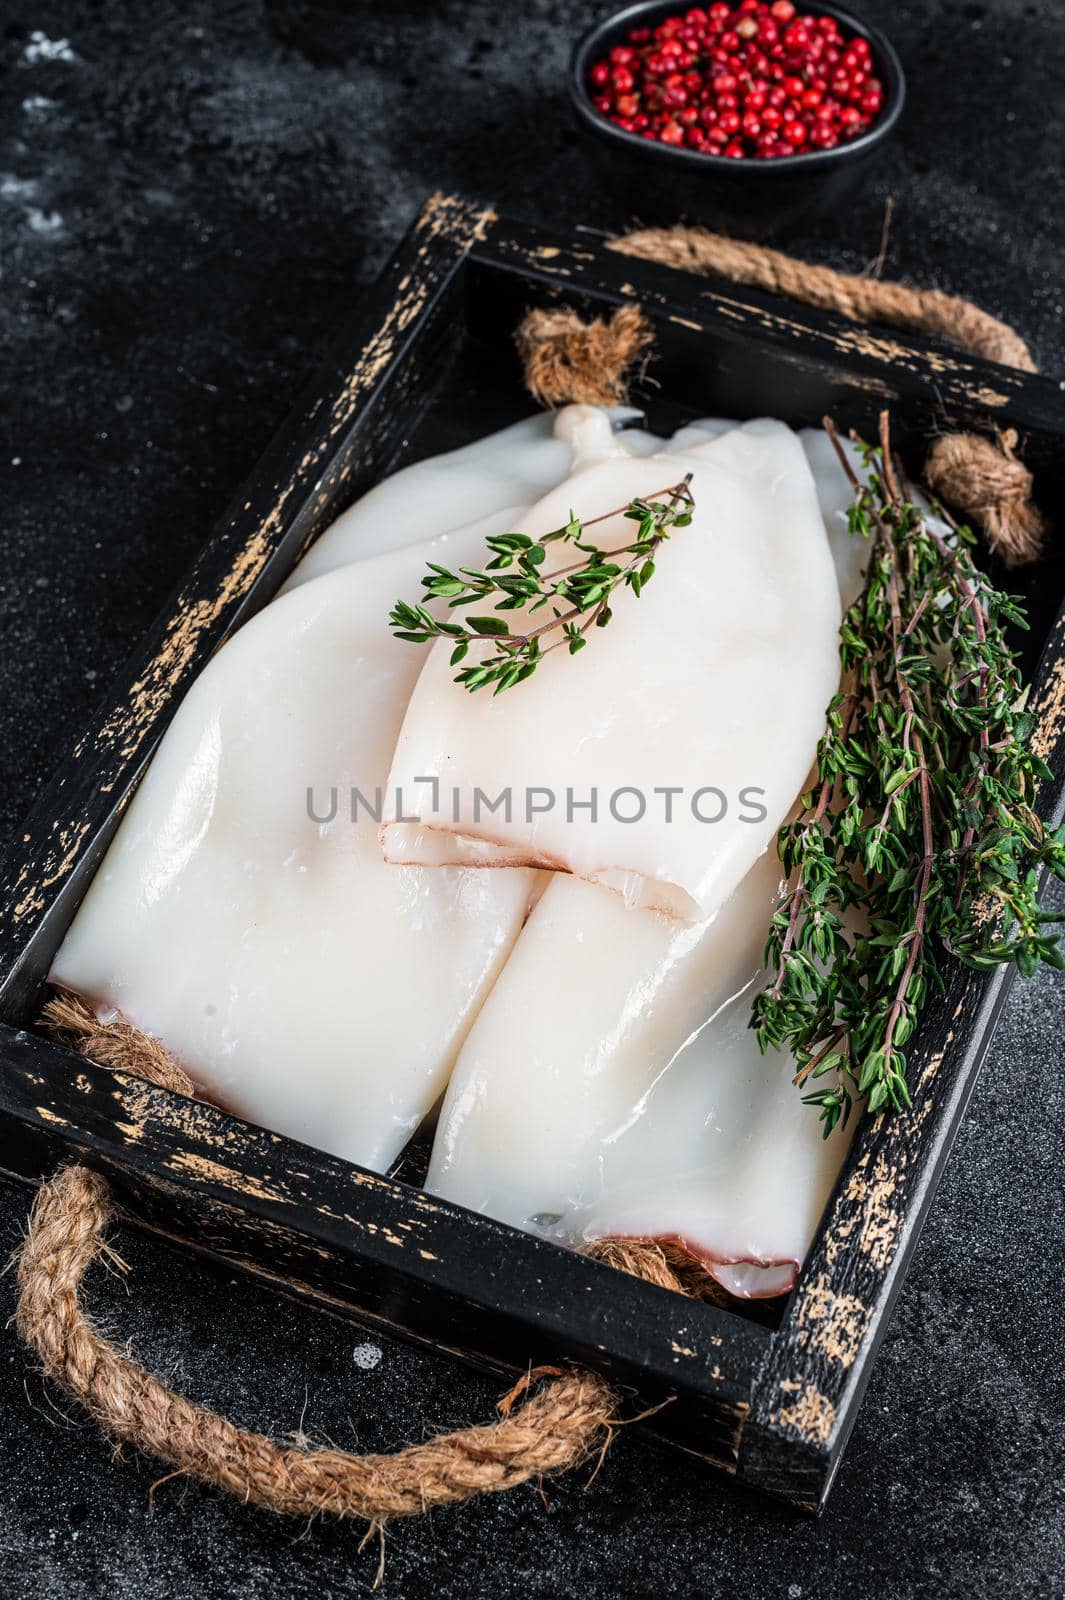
(429, 364)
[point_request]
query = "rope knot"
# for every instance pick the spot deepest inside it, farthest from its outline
(568, 361)
(983, 478)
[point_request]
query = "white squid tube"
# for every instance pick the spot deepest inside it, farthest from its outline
(258, 933)
(713, 684)
(244, 919)
(612, 1088)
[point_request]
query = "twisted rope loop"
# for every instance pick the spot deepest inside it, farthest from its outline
(544, 1426)
(553, 1429)
(859, 299)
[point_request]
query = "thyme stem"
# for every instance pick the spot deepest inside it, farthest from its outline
(578, 594)
(922, 838)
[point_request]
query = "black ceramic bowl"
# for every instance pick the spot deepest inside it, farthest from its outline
(660, 182)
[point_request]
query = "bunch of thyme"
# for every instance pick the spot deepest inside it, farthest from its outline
(921, 835)
(578, 596)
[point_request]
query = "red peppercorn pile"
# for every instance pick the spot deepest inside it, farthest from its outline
(753, 78)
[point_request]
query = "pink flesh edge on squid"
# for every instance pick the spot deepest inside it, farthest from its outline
(485, 850)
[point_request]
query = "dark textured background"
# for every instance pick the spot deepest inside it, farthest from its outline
(188, 208)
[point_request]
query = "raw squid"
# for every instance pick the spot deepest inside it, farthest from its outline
(611, 1086)
(299, 979)
(712, 685)
(484, 486)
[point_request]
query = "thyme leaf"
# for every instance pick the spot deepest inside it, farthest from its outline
(577, 596)
(923, 816)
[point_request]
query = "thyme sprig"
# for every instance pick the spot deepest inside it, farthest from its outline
(577, 596)
(921, 836)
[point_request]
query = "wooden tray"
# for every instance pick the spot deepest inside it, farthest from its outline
(428, 364)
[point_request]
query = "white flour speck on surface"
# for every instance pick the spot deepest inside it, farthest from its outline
(43, 221)
(38, 106)
(41, 48)
(20, 191)
(367, 1356)
(12, 188)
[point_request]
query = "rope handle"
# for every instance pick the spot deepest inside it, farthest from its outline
(550, 1421)
(567, 360)
(850, 295)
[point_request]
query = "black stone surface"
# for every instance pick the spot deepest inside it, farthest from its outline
(188, 207)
